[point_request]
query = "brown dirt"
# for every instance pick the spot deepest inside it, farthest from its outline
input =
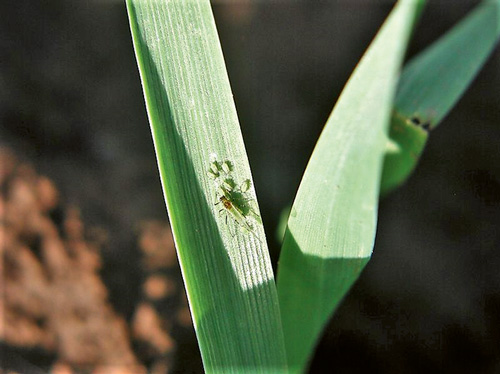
(53, 298)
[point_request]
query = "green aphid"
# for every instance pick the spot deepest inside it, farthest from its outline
(227, 167)
(247, 206)
(217, 169)
(245, 186)
(233, 198)
(235, 213)
(228, 185)
(214, 172)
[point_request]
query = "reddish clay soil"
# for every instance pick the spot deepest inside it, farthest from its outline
(53, 299)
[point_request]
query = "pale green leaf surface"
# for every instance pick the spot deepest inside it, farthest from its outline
(433, 82)
(226, 269)
(331, 229)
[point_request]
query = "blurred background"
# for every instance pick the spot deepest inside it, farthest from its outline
(76, 148)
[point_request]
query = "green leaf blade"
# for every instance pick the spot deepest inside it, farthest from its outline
(331, 228)
(433, 82)
(227, 270)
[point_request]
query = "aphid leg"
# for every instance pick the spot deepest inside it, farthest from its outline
(216, 199)
(231, 231)
(221, 211)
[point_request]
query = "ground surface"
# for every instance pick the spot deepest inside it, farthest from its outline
(55, 311)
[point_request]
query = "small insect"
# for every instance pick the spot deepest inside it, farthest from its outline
(235, 213)
(233, 197)
(217, 169)
(239, 198)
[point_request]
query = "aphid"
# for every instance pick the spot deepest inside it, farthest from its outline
(234, 199)
(228, 185)
(214, 171)
(236, 205)
(217, 169)
(227, 167)
(235, 212)
(245, 186)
